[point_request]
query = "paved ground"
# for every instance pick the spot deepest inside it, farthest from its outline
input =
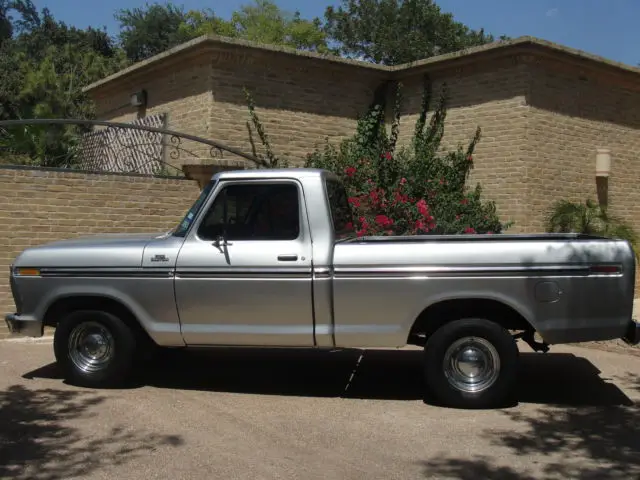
(264, 415)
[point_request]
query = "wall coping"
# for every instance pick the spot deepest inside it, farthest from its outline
(471, 55)
(90, 172)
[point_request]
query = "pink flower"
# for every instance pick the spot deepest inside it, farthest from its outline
(387, 155)
(383, 220)
(354, 201)
(400, 198)
(350, 171)
(469, 230)
(422, 207)
(470, 158)
(464, 201)
(403, 181)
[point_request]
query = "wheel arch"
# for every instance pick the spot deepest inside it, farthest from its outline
(68, 303)
(445, 310)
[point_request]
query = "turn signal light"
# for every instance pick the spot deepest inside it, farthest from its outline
(27, 272)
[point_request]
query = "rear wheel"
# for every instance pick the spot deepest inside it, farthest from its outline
(471, 363)
(94, 348)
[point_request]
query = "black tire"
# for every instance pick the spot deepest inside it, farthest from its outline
(116, 368)
(484, 336)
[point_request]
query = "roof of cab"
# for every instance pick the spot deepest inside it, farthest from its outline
(273, 173)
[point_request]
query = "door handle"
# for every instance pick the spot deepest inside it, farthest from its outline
(288, 258)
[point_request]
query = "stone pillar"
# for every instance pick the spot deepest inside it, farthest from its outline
(202, 173)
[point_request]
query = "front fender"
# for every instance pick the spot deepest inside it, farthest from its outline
(163, 331)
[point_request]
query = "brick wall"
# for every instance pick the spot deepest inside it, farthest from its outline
(572, 114)
(301, 102)
(39, 206)
(493, 97)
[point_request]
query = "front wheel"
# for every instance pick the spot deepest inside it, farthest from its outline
(471, 363)
(94, 348)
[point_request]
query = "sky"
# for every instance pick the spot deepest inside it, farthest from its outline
(608, 28)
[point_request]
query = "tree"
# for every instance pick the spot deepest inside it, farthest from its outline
(147, 31)
(590, 218)
(153, 29)
(391, 32)
(46, 65)
(264, 22)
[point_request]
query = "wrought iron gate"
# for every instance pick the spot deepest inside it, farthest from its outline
(144, 146)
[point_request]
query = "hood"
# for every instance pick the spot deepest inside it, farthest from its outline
(108, 250)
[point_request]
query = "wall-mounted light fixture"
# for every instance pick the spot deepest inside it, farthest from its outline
(138, 99)
(603, 162)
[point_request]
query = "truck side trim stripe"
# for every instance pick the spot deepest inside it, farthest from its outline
(490, 271)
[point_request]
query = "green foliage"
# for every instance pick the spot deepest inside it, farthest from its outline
(416, 189)
(264, 22)
(47, 63)
(589, 217)
(391, 32)
(150, 30)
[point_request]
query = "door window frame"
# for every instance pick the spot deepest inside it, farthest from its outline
(303, 236)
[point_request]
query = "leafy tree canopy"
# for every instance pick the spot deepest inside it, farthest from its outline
(391, 32)
(147, 31)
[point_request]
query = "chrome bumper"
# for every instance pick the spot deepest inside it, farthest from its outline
(28, 327)
(632, 336)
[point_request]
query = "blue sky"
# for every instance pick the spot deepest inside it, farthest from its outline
(602, 27)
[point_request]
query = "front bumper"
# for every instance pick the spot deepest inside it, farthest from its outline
(632, 336)
(25, 326)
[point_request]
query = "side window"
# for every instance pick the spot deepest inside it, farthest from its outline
(253, 212)
(341, 214)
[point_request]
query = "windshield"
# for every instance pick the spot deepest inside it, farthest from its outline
(184, 225)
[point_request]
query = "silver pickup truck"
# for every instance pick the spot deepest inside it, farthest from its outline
(267, 258)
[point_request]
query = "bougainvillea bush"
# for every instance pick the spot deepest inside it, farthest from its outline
(413, 190)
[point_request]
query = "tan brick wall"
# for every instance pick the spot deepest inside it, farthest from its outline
(40, 206)
(182, 91)
(492, 97)
(300, 101)
(573, 114)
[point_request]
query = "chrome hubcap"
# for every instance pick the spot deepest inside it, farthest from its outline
(90, 347)
(471, 364)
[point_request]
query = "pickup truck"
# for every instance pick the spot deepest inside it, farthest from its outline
(268, 258)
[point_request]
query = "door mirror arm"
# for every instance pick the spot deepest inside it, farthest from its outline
(221, 242)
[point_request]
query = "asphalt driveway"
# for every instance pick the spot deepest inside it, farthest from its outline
(271, 414)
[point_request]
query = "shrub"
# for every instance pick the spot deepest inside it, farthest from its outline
(416, 189)
(589, 217)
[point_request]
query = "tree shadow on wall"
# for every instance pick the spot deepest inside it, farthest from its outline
(37, 442)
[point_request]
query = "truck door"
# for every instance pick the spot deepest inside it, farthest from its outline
(244, 273)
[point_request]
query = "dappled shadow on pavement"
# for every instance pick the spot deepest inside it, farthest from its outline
(585, 433)
(462, 469)
(38, 440)
(586, 443)
(560, 379)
